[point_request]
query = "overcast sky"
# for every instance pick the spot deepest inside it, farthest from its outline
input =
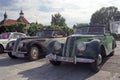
(74, 11)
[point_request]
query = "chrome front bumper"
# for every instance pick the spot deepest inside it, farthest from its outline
(7, 51)
(69, 59)
(19, 54)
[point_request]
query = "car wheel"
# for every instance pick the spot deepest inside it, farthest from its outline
(11, 56)
(1, 49)
(55, 63)
(97, 64)
(34, 53)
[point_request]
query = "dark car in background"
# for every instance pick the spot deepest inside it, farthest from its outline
(36, 46)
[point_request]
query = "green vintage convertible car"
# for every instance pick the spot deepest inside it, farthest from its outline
(89, 44)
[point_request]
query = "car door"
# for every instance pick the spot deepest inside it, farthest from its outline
(108, 41)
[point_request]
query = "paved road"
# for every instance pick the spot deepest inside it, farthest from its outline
(21, 69)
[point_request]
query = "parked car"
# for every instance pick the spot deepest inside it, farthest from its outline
(88, 45)
(7, 37)
(34, 47)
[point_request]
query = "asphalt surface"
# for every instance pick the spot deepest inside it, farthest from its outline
(22, 69)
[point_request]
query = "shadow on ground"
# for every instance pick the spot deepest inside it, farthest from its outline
(7, 61)
(66, 71)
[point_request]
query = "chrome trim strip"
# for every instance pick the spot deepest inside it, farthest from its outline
(68, 47)
(69, 59)
(74, 48)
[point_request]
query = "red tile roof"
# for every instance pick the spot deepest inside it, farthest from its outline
(9, 21)
(22, 19)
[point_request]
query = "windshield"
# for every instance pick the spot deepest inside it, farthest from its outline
(90, 30)
(45, 33)
(4, 35)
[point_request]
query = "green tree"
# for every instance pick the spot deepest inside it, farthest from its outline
(80, 25)
(66, 29)
(58, 22)
(57, 19)
(33, 28)
(19, 27)
(103, 16)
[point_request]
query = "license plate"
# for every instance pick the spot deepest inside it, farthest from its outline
(67, 59)
(20, 55)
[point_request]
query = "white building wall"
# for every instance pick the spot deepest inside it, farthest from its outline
(115, 27)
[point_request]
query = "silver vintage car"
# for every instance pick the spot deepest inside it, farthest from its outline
(7, 37)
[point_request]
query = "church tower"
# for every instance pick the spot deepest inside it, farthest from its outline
(21, 13)
(5, 16)
(22, 18)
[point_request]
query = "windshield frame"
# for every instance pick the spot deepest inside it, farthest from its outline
(45, 33)
(90, 30)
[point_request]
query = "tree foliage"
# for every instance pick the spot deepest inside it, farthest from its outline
(17, 27)
(57, 19)
(33, 28)
(58, 22)
(80, 25)
(66, 29)
(103, 16)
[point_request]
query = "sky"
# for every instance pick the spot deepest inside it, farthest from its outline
(74, 11)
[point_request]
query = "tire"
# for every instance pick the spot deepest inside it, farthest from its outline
(34, 53)
(55, 63)
(1, 49)
(96, 66)
(11, 56)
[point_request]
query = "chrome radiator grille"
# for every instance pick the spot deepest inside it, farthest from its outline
(15, 47)
(69, 46)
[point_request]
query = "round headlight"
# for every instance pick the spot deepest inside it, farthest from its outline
(57, 45)
(21, 44)
(81, 46)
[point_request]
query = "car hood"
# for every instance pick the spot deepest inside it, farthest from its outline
(85, 38)
(3, 39)
(33, 38)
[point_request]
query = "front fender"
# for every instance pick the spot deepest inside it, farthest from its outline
(93, 49)
(35, 43)
(50, 47)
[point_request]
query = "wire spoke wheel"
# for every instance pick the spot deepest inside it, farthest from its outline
(99, 60)
(97, 64)
(34, 53)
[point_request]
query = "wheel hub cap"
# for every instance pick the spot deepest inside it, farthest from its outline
(99, 60)
(34, 53)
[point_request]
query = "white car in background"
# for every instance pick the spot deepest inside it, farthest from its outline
(7, 37)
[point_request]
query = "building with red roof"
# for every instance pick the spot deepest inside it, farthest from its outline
(21, 19)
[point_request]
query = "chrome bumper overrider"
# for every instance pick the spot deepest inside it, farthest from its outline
(69, 59)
